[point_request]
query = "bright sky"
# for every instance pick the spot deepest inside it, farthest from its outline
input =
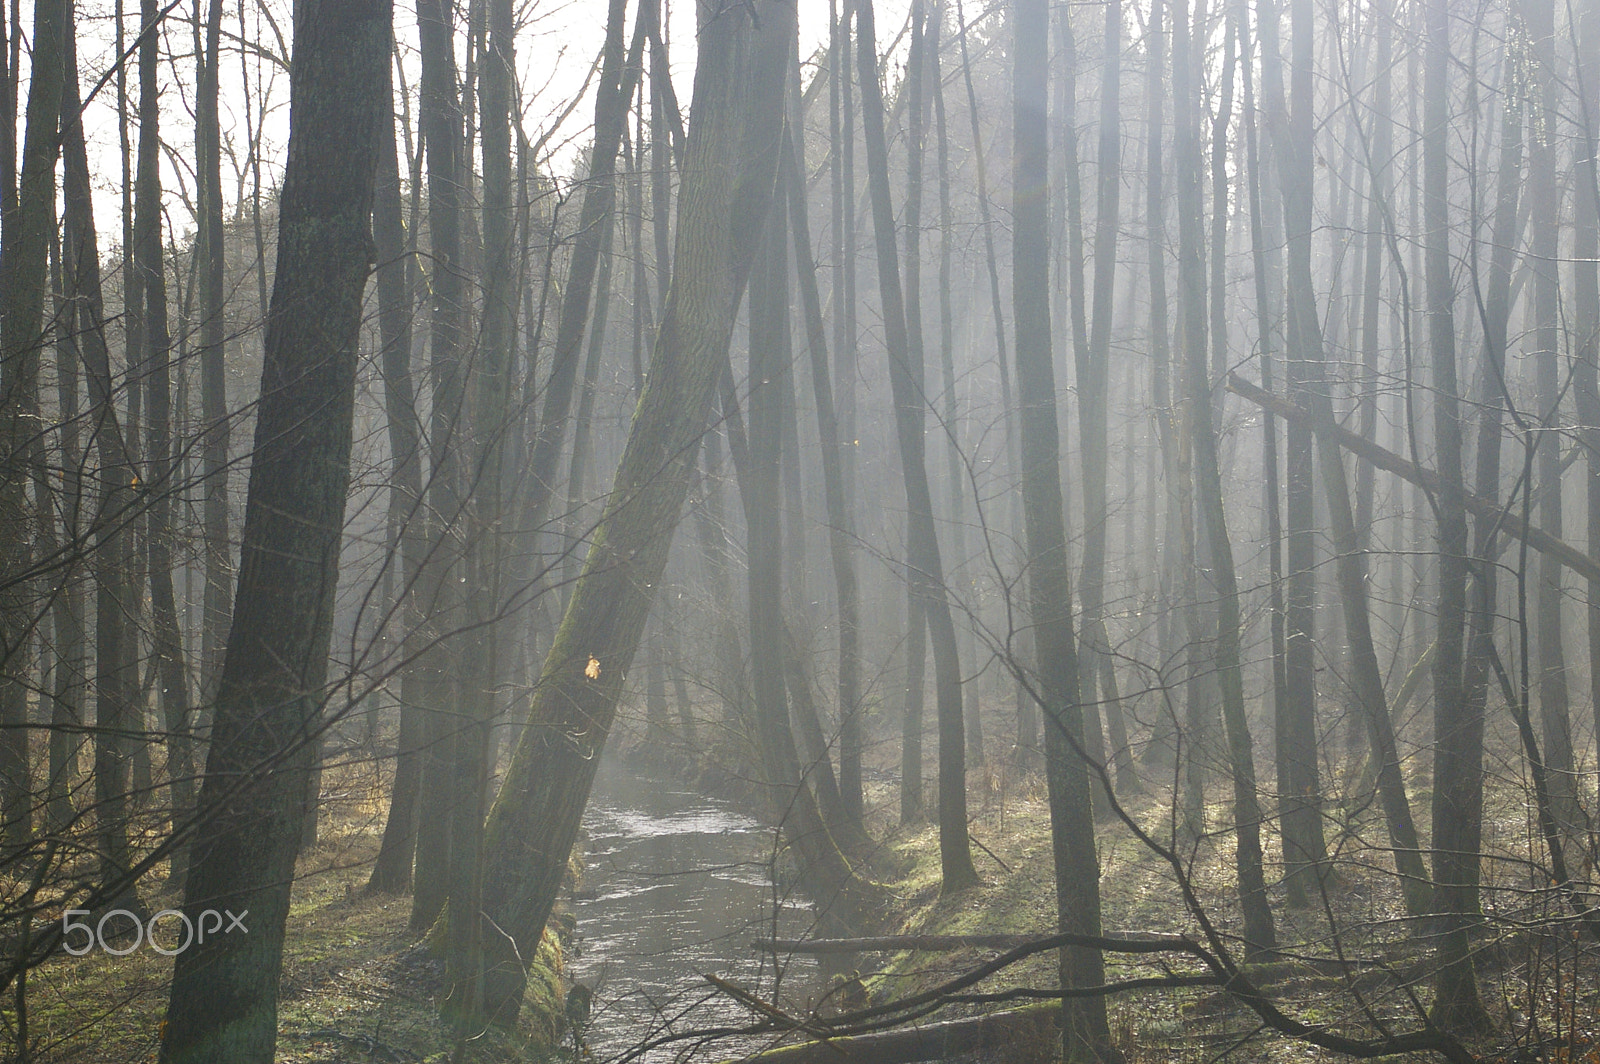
(555, 50)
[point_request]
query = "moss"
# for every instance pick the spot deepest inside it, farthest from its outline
(543, 1003)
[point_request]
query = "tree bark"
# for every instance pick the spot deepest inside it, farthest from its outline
(1085, 1034)
(732, 153)
(25, 262)
(223, 1005)
(1260, 936)
(1305, 849)
(391, 872)
(156, 360)
(1458, 729)
(927, 571)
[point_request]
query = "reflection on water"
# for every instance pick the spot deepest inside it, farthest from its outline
(681, 883)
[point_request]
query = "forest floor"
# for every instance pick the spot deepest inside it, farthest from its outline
(1531, 959)
(356, 986)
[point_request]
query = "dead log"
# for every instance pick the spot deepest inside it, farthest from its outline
(934, 1041)
(893, 943)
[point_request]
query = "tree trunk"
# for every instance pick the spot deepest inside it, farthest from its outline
(212, 257)
(68, 613)
(25, 262)
(1090, 386)
(1027, 717)
(225, 989)
(1546, 194)
(905, 380)
(1458, 730)
(116, 683)
(479, 662)
(439, 113)
(732, 152)
(391, 872)
(841, 436)
(1162, 751)
(1305, 849)
(1084, 1031)
(955, 472)
(1094, 394)
(1261, 239)
(156, 360)
(1586, 295)
(840, 522)
(1260, 936)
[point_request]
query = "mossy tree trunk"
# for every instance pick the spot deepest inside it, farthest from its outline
(727, 183)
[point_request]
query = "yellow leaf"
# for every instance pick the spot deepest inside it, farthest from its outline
(593, 669)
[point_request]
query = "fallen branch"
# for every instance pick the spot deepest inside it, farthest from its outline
(1387, 460)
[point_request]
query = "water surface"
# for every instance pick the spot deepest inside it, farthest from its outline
(682, 883)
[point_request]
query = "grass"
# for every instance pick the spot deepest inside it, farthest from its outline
(1526, 970)
(355, 987)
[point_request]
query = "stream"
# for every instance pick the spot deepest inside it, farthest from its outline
(677, 884)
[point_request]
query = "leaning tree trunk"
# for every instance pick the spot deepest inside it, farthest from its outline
(274, 680)
(1084, 1031)
(732, 154)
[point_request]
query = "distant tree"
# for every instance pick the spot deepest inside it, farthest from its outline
(926, 570)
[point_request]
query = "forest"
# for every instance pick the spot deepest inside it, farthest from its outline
(778, 531)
